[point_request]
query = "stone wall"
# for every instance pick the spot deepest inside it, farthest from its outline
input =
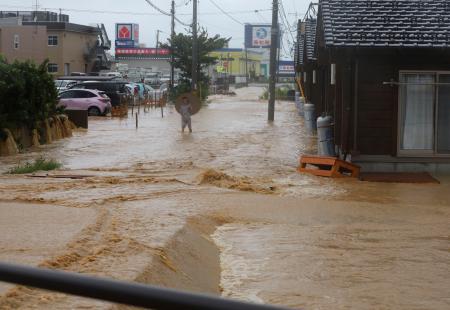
(53, 129)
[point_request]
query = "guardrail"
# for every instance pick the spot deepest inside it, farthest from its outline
(131, 294)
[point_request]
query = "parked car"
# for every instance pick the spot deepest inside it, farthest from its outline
(115, 90)
(152, 78)
(78, 74)
(62, 85)
(94, 101)
(156, 93)
(115, 74)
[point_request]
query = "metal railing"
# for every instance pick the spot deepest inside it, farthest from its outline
(131, 294)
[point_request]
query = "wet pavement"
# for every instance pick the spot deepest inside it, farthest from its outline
(223, 210)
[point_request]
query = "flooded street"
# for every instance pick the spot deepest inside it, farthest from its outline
(223, 211)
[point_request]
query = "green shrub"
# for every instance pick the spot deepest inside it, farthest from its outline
(185, 87)
(28, 94)
(281, 93)
(39, 164)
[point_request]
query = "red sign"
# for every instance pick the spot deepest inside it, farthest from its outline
(142, 51)
(124, 32)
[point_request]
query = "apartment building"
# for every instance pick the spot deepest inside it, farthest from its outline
(38, 36)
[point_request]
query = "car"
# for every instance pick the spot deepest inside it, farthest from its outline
(156, 93)
(78, 74)
(62, 85)
(114, 74)
(94, 101)
(115, 89)
(152, 78)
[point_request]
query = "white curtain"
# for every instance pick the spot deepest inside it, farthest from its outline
(418, 111)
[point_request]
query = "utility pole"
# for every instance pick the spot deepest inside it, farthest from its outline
(273, 60)
(246, 66)
(157, 41)
(194, 47)
(172, 57)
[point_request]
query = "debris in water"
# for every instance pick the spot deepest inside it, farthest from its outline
(223, 180)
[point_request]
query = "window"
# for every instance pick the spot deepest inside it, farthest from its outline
(16, 41)
(424, 117)
(67, 94)
(83, 94)
(52, 40)
(90, 95)
(53, 68)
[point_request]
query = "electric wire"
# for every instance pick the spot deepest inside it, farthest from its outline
(166, 13)
(226, 13)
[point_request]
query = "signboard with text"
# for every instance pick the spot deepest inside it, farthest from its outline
(142, 52)
(127, 43)
(286, 68)
(258, 36)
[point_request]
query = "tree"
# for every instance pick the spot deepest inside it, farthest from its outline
(182, 50)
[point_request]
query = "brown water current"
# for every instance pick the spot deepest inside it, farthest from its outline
(223, 211)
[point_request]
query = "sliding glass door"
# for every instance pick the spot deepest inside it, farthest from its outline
(417, 95)
(424, 119)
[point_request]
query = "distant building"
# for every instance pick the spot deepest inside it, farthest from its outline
(46, 35)
(232, 62)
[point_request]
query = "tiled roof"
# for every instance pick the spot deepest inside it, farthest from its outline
(310, 37)
(386, 23)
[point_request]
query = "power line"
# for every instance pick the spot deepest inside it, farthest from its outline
(129, 12)
(257, 12)
(226, 13)
(165, 13)
(286, 21)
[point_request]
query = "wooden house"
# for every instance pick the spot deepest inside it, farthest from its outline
(382, 70)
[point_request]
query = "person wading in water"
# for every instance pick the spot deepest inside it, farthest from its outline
(186, 111)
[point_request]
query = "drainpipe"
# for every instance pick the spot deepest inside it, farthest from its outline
(355, 106)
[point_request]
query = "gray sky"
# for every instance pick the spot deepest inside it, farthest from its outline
(110, 12)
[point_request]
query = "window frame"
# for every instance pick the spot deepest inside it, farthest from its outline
(53, 36)
(418, 153)
(16, 42)
(54, 65)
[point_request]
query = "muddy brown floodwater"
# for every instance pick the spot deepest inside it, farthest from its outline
(223, 211)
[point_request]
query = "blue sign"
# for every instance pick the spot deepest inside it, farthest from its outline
(286, 68)
(128, 43)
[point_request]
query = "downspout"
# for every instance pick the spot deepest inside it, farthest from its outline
(355, 106)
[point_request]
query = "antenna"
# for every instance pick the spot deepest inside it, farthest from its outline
(36, 9)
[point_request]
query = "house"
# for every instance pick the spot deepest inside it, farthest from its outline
(381, 69)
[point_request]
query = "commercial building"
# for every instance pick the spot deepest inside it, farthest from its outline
(45, 35)
(233, 62)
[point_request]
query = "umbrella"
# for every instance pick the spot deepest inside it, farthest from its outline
(193, 100)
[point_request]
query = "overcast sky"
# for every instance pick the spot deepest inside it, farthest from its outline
(110, 12)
